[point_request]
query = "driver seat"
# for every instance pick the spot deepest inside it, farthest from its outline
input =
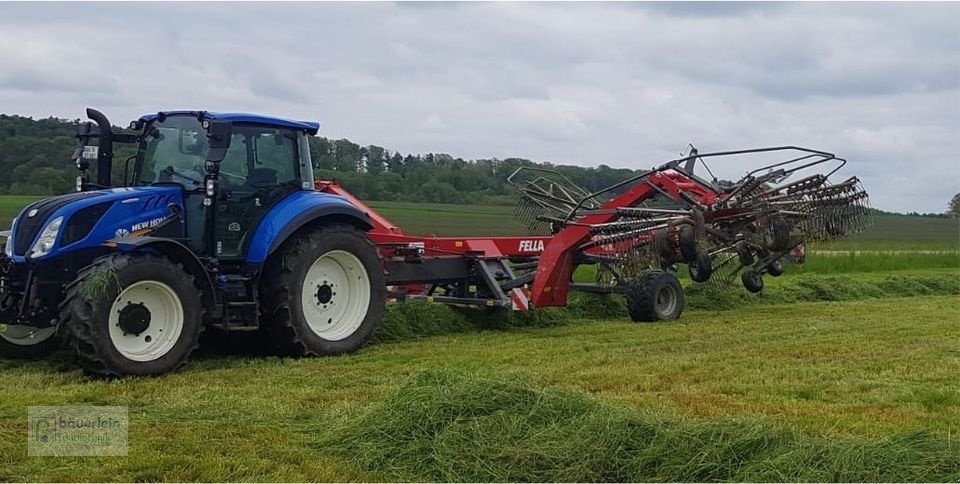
(262, 177)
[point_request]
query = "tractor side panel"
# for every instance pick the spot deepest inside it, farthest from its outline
(292, 213)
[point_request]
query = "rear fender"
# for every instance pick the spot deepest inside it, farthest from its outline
(296, 212)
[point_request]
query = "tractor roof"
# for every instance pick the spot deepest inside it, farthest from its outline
(309, 126)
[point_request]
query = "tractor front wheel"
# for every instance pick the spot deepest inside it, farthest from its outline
(27, 343)
(654, 296)
(323, 293)
(132, 314)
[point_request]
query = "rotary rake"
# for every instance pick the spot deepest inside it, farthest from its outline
(637, 232)
(646, 225)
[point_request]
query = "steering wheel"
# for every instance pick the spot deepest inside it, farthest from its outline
(170, 171)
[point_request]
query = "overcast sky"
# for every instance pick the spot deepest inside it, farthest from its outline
(627, 85)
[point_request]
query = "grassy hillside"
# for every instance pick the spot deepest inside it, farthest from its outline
(783, 392)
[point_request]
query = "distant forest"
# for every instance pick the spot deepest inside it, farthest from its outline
(35, 160)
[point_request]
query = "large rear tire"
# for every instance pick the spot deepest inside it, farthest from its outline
(132, 314)
(323, 293)
(654, 296)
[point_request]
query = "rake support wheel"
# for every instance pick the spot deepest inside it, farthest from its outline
(654, 296)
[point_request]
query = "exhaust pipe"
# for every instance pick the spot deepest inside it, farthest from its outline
(105, 149)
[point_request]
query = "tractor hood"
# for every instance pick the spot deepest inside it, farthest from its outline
(87, 219)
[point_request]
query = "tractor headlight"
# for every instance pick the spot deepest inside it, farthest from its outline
(8, 248)
(48, 236)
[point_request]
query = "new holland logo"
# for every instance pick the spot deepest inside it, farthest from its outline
(531, 245)
(121, 233)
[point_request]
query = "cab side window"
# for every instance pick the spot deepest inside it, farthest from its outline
(275, 158)
(233, 168)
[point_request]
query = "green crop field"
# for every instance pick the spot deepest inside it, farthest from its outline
(844, 369)
(888, 232)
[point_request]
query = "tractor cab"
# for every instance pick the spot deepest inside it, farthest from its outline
(255, 162)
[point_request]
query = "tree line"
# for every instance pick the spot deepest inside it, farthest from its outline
(35, 159)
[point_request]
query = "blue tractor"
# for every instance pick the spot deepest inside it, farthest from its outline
(216, 226)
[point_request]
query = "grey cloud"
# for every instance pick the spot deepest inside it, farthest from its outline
(619, 84)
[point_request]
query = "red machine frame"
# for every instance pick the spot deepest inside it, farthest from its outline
(552, 256)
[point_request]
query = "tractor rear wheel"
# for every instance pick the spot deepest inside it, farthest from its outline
(323, 293)
(132, 314)
(654, 296)
(27, 343)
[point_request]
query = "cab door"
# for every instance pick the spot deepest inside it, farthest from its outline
(259, 170)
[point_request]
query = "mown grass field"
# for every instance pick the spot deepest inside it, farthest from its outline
(803, 376)
(844, 371)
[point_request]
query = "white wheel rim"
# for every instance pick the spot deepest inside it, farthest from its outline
(26, 335)
(335, 295)
(165, 326)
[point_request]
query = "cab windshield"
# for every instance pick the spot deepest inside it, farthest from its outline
(173, 150)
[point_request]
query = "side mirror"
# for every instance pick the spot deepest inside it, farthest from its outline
(218, 139)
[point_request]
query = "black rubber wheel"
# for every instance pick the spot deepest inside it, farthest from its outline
(663, 246)
(701, 268)
(744, 253)
(778, 233)
(132, 314)
(332, 263)
(23, 343)
(654, 296)
(688, 243)
(776, 268)
(752, 280)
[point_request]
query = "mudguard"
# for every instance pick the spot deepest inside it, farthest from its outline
(176, 251)
(295, 211)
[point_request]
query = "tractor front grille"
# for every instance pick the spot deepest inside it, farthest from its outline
(27, 228)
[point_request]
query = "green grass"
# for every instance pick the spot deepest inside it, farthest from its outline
(448, 426)
(859, 390)
(10, 205)
(888, 232)
(875, 262)
(842, 370)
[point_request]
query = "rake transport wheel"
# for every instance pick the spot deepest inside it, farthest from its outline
(778, 233)
(28, 343)
(132, 314)
(654, 296)
(701, 268)
(323, 293)
(776, 268)
(752, 281)
(687, 240)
